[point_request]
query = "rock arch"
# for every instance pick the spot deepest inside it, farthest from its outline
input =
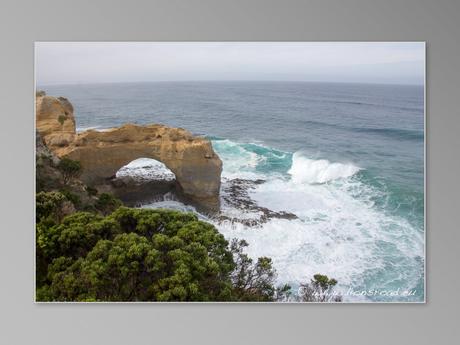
(102, 153)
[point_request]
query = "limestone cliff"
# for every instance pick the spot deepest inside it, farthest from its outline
(55, 120)
(192, 159)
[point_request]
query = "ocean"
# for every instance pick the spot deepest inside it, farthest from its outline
(346, 159)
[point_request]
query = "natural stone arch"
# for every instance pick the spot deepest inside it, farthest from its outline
(103, 153)
(192, 160)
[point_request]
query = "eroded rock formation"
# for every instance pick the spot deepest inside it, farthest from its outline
(55, 119)
(102, 154)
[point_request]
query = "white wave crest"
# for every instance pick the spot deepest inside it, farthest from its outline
(306, 170)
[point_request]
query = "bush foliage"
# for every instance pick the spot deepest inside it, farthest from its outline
(320, 289)
(107, 203)
(69, 169)
(145, 255)
(62, 119)
(48, 204)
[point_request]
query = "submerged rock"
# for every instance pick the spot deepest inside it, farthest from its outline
(235, 196)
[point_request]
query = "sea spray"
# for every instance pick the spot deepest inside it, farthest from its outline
(306, 170)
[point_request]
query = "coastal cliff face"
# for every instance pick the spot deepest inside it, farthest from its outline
(101, 154)
(55, 120)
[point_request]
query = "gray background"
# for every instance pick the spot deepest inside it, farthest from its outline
(22, 23)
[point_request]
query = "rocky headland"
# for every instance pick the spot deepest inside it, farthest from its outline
(196, 166)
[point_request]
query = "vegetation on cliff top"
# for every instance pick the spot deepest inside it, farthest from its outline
(142, 255)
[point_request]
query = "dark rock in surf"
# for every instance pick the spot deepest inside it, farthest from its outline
(236, 195)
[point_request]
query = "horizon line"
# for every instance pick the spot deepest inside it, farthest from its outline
(228, 80)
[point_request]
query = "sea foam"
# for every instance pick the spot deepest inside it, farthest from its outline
(306, 170)
(336, 234)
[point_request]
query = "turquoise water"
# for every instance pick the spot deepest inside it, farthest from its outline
(347, 159)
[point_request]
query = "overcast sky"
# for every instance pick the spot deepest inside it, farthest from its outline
(96, 62)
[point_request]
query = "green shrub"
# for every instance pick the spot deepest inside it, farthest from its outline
(48, 205)
(107, 203)
(72, 197)
(252, 281)
(89, 208)
(320, 289)
(91, 191)
(149, 255)
(69, 169)
(75, 236)
(166, 256)
(61, 119)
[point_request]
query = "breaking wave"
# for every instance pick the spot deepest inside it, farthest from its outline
(305, 170)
